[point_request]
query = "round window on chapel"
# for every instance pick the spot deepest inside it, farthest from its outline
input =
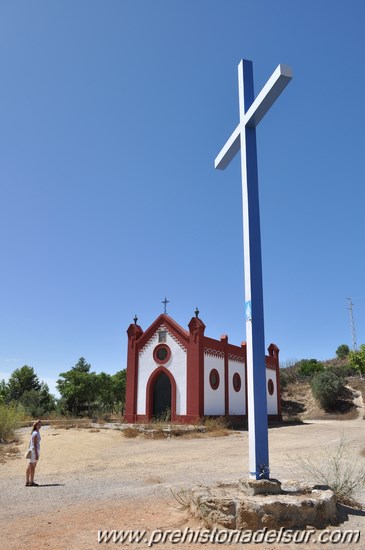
(214, 379)
(162, 354)
(270, 386)
(236, 382)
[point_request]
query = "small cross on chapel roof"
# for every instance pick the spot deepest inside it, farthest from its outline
(165, 302)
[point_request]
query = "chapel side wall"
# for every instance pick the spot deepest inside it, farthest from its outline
(272, 400)
(176, 365)
(237, 399)
(213, 399)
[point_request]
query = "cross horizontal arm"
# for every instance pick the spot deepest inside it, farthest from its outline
(229, 150)
(268, 95)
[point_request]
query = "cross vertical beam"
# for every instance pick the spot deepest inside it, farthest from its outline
(256, 368)
(243, 138)
(165, 302)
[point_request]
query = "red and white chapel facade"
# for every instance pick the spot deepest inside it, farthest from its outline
(190, 374)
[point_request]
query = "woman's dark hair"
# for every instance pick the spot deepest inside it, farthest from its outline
(34, 427)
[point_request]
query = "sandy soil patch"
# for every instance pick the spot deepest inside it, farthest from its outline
(91, 480)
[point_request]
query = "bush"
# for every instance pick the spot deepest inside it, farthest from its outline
(339, 470)
(342, 371)
(327, 387)
(131, 433)
(10, 418)
(309, 367)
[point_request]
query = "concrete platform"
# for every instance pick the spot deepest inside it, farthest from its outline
(242, 506)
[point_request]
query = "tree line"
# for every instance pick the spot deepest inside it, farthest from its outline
(83, 392)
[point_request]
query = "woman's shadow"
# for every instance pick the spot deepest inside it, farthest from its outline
(51, 484)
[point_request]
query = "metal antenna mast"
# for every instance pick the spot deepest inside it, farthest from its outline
(352, 322)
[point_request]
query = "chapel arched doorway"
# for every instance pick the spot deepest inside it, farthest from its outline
(161, 397)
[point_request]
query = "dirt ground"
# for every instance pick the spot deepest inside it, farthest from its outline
(93, 480)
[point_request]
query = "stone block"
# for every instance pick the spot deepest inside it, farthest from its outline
(260, 486)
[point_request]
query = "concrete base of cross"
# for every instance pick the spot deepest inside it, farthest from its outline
(229, 506)
(260, 486)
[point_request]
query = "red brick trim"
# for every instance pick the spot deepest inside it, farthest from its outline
(224, 341)
(134, 334)
(195, 369)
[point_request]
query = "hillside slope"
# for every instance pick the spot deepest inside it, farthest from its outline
(299, 404)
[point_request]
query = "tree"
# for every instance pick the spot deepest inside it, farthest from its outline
(3, 391)
(25, 388)
(309, 367)
(357, 359)
(105, 390)
(78, 388)
(38, 403)
(342, 351)
(110, 392)
(20, 381)
(120, 384)
(327, 388)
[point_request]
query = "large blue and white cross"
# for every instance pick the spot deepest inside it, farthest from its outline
(244, 138)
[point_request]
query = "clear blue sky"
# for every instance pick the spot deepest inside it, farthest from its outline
(111, 115)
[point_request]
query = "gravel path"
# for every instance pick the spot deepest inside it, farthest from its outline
(92, 480)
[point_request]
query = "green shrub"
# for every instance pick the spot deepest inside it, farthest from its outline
(10, 417)
(357, 359)
(309, 367)
(342, 371)
(327, 387)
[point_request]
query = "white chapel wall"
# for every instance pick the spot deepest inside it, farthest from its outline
(213, 399)
(237, 399)
(176, 365)
(272, 400)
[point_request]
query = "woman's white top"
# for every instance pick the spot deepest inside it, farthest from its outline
(35, 445)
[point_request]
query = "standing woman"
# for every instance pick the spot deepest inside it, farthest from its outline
(35, 447)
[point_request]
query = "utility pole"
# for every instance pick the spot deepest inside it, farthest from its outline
(352, 322)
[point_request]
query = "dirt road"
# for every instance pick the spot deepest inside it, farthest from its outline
(91, 480)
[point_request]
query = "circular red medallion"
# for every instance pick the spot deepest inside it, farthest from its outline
(270, 386)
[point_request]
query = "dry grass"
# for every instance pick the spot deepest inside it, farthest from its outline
(67, 424)
(339, 470)
(182, 498)
(131, 432)
(211, 427)
(10, 451)
(156, 434)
